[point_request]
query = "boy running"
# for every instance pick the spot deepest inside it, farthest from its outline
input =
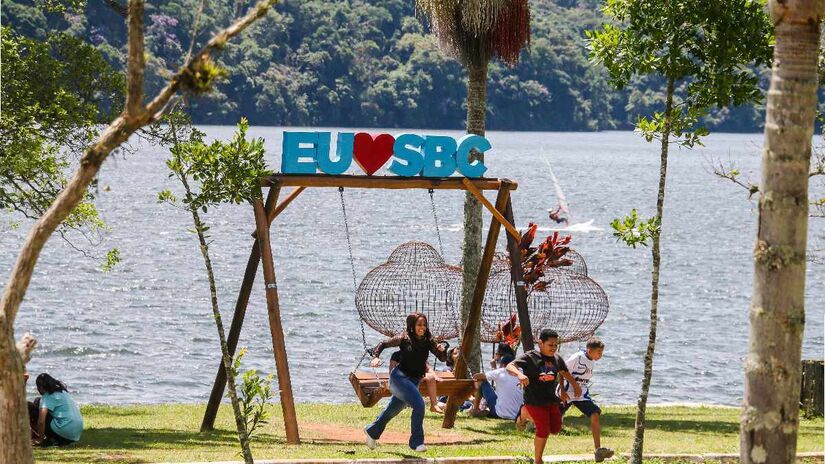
(581, 368)
(539, 371)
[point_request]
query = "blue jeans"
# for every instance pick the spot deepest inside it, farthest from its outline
(490, 396)
(404, 393)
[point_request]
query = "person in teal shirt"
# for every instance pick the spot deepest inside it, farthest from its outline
(59, 421)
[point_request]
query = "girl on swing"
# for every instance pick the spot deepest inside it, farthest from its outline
(415, 347)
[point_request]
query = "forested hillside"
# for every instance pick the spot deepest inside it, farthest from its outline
(370, 63)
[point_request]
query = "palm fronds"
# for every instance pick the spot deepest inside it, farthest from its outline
(474, 31)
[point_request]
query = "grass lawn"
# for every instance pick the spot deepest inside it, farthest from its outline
(137, 434)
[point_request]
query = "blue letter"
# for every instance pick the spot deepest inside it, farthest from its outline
(293, 152)
(407, 149)
(438, 156)
(343, 150)
(465, 145)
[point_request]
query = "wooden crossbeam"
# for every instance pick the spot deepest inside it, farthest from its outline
(383, 182)
(511, 229)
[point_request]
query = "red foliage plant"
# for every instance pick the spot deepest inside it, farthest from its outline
(547, 254)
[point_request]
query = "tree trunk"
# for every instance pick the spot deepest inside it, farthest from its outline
(14, 431)
(770, 414)
(471, 250)
(240, 423)
(639, 433)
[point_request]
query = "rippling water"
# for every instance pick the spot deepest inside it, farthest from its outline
(144, 332)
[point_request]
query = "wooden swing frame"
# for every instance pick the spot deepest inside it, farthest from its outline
(265, 214)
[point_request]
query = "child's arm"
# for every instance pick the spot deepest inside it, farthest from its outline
(41, 425)
(512, 369)
(376, 352)
(577, 389)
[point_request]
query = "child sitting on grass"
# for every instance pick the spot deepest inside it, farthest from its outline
(55, 417)
(505, 400)
(581, 368)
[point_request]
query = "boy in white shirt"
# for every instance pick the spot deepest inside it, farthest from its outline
(505, 400)
(581, 366)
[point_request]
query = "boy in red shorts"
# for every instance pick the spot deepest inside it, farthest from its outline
(539, 371)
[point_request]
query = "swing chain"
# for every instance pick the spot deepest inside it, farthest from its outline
(437, 228)
(367, 350)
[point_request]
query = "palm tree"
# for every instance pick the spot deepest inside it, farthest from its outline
(474, 32)
(770, 417)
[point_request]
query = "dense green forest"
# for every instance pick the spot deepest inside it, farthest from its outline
(360, 63)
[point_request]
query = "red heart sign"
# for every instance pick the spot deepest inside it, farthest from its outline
(371, 153)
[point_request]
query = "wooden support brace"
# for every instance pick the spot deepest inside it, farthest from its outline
(474, 318)
(511, 229)
(219, 387)
(517, 275)
(275, 327)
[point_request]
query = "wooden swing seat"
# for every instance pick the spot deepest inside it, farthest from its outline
(370, 387)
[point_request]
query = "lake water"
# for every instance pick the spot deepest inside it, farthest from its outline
(144, 333)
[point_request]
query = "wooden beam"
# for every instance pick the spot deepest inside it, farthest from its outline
(219, 387)
(382, 182)
(474, 317)
(282, 205)
(272, 213)
(517, 275)
(484, 201)
(276, 329)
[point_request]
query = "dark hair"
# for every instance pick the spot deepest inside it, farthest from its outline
(48, 384)
(412, 319)
(547, 334)
(506, 359)
(505, 350)
(595, 343)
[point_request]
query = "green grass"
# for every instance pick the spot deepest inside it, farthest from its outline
(138, 434)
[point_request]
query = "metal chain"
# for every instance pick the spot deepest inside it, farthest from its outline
(437, 228)
(352, 265)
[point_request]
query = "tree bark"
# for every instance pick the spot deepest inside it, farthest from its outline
(770, 414)
(240, 423)
(14, 428)
(471, 250)
(639, 431)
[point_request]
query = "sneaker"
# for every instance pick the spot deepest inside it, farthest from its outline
(420, 448)
(603, 453)
(371, 443)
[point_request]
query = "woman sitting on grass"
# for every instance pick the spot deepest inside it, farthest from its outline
(416, 345)
(55, 417)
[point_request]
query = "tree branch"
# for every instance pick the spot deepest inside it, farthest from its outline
(117, 8)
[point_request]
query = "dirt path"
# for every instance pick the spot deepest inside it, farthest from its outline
(339, 433)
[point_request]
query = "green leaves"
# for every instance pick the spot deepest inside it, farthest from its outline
(633, 230)
(112, 259)
(708, 49)
(254, 395)
(225, 172)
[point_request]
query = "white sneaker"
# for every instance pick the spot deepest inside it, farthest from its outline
(371, 442)
(420, 449)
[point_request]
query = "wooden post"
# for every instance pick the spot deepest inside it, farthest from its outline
(474, 318)
(813, 384)
(275, 328)
(219, 387)
(517, 274)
